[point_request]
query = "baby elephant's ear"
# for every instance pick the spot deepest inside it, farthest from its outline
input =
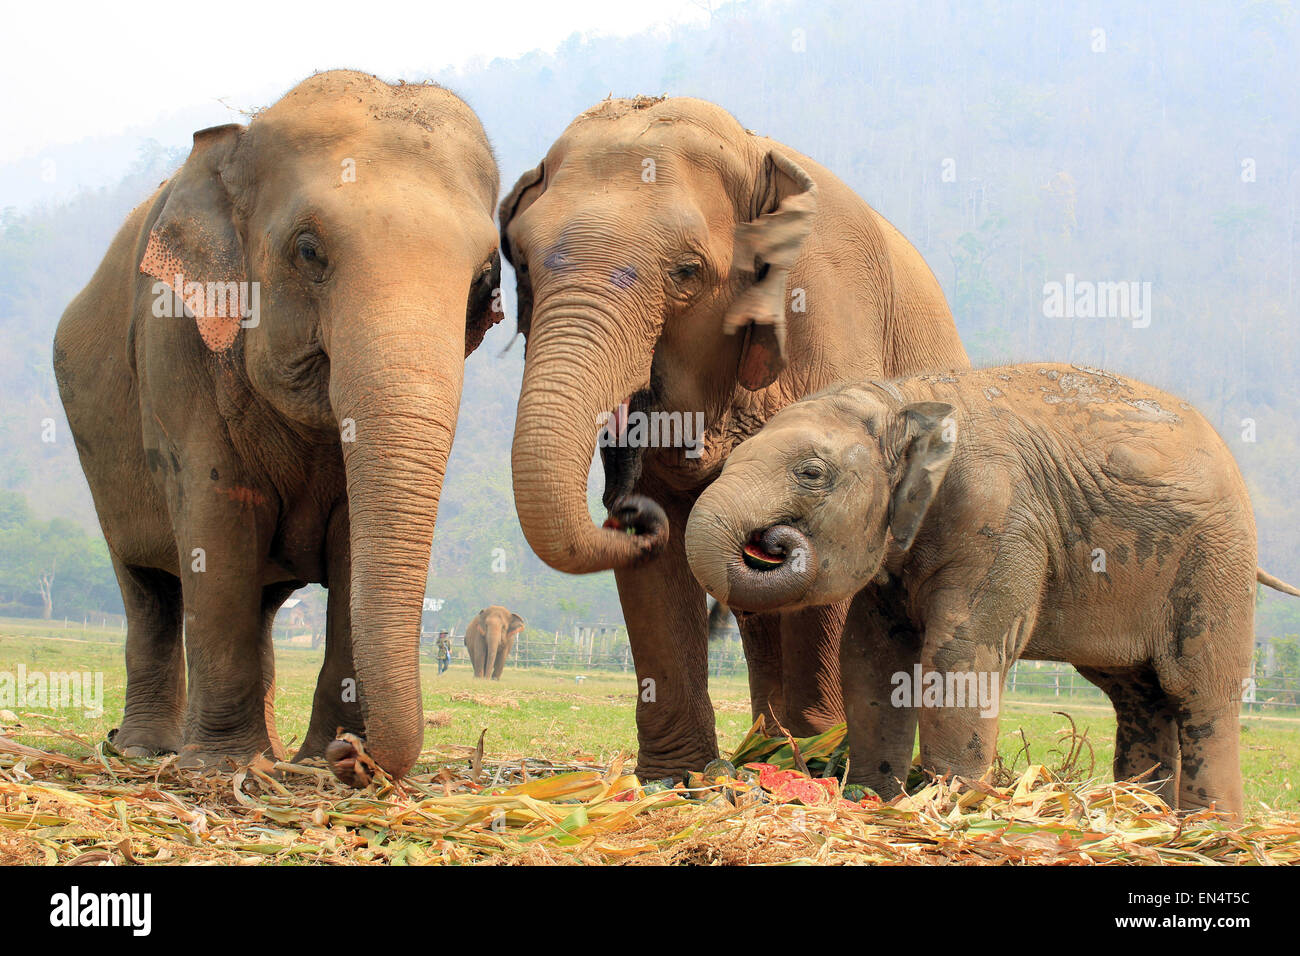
(925, 439)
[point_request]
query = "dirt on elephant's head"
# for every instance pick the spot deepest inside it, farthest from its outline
(615, 107)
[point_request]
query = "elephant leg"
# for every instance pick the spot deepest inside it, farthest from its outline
(966, 652)
(879, 642)
(794, 668)
(155, 662)
(499, 663)
(273, 596)
(978, 621)
(222, 571)
(1146, 728)
(667, 624)
(761, 636)
(1209, 738)
(336, 703)
(477, 651)
(1202, 680)
(810, 673)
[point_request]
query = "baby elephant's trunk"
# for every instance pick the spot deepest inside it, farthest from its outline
(748, 567)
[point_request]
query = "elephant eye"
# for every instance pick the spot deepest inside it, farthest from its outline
(686, 270)
(811, 471)
(310, 255)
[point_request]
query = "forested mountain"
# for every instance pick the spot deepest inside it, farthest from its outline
(1016, 144)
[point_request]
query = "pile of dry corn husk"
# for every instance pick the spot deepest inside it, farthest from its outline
(103, 809)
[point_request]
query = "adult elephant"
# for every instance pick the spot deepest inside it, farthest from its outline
(489, 638)
(665, 254)
(290, 421)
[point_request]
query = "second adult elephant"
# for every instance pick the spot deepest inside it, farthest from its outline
(666, 256)
(489, 638)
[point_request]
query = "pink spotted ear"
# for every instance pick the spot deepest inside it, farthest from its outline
(216, 311)
(193, 246)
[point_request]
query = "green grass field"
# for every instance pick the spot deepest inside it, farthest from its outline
(548, 714)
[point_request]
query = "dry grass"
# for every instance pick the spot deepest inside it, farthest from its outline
(102, 809)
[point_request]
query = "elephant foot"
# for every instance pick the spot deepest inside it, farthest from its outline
(347, 757)
(313, 747)
(139, 752)
(207, 761)
(220, 759)
(661, 768)
(143, 741)
(318, 739)
(886, 787)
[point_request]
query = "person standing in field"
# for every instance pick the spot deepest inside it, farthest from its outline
(444, 650)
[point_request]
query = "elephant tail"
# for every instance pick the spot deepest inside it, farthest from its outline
(1277, 584)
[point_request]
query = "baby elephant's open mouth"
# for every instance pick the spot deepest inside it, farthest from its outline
(776, 568)
(758, 557)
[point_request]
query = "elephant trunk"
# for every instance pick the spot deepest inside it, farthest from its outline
(576, 371)
(395, 387)
(759, 563)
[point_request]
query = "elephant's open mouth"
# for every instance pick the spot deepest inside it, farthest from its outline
(758, 557)
(776, 567)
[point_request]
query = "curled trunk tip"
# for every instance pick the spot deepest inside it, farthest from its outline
(764, 569)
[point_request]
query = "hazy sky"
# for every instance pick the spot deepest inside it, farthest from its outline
(75, 71)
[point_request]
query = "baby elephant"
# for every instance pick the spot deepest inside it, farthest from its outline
(1048, 512)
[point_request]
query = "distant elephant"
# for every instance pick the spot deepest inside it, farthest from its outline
(489, 638)
(1047, 512)
(336, 260)
(666, 256)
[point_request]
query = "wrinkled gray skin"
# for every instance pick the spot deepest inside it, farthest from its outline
(965, 514)
(489, 638)
(363, 212)
(729, 278)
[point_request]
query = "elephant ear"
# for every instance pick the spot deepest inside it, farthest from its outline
(786, 202)
(525, 192)
(923, 438)
(516, 625)
(484, 308)
(193, 246)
